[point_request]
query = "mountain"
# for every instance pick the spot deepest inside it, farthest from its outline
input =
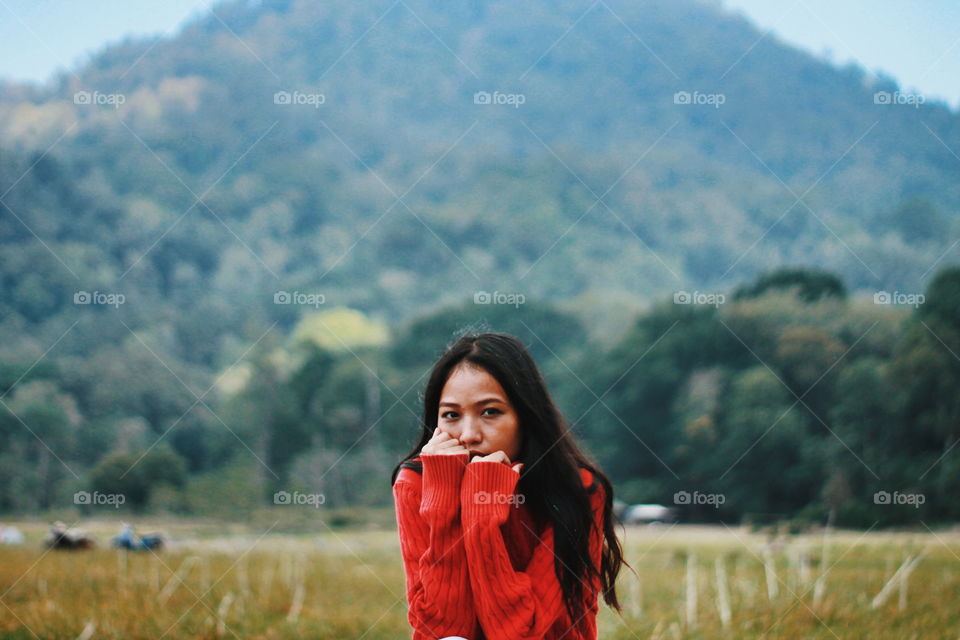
(400, 155)
(173, 213)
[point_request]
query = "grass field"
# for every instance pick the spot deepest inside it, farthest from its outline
(694, 582)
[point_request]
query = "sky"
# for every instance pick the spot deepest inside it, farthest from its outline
(917, 42)
(37, 37)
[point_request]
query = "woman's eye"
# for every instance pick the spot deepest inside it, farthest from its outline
(446, 415)
(495, 411)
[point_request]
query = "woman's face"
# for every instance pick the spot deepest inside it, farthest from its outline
(475, 410)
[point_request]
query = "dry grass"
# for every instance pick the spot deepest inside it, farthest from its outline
(694, 582)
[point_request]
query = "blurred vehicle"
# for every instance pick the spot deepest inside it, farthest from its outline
(649, 514)
(63, 537)
(128, 539)
(10, 535)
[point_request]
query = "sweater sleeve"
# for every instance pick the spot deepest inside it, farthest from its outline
(439, 600)
(520, 605)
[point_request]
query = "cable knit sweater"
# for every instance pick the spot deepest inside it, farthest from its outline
(476, 565)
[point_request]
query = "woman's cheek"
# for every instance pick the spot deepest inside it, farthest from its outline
(515, 430)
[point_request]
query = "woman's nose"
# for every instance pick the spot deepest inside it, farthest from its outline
(469, 434)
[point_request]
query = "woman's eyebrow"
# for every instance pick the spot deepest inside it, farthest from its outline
(448, 403)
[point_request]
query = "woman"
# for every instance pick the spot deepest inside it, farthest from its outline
(502, 519)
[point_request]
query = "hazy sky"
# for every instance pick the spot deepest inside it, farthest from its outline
(916, 41)
(39, 36)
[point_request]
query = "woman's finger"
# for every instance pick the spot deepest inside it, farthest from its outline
(451, 447)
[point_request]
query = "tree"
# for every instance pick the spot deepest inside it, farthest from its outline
(137, 475)
(811, 284)
(917, 219)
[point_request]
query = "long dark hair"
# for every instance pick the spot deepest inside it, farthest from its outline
(550, 478)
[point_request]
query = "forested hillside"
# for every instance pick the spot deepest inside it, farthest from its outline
(383, 163)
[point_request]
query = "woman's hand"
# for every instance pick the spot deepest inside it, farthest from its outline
(499, 456)
(442, 444)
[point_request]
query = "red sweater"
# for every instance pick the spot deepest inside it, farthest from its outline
(476, 565)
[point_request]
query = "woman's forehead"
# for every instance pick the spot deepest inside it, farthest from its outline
(468, 385)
